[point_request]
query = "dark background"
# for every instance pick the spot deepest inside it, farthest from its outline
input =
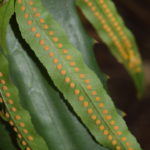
(136, 14)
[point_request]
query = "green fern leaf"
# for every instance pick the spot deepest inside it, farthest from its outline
(79, 85)
(18, 118)
(59, 128)
(110, 27)
(72, 25)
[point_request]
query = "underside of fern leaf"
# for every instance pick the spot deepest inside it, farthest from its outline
(79, 85)
(12, 111)
(76, 33)
(17, 117)
(104, 17)
(60, 129)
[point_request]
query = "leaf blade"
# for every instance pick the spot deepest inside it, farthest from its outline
(15, 114)
(79, 85)
(77, 35)
(6, 11)
(111, 28)
(41, 100)
(72, 25)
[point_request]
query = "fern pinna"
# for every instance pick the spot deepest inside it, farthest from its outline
(79, 85)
